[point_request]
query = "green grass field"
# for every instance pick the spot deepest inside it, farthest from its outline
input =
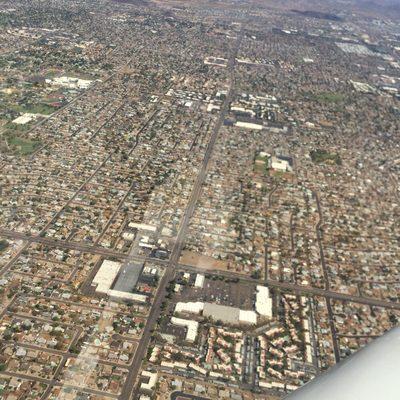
(259, 167)
(3, 245)
(321, 156)
(22, 146)
(40, 108)
(328, 97)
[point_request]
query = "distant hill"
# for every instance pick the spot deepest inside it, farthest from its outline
(318, 15)
(134, 2)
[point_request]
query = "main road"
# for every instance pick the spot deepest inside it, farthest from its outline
(318, 229)
(287, 286)
(129, 388)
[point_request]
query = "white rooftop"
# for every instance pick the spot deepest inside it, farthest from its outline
(106, 275)
(192, 327)
(151, 384)
(263, 301)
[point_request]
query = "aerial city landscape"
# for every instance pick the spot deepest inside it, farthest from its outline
(198, 199)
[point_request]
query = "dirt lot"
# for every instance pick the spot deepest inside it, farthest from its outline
(201, 261)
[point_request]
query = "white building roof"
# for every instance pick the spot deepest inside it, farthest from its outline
(24, 119)
(247, 317)
(70, 82)
(192, 327)
(141, 298)
(143, 227)
(106, 275)
(263, 301)
(279, 164)
(248, 125)
(199, 281)
(128, 236)
(226, 314)
(150, 385)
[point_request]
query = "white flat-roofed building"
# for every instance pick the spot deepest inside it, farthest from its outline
(211, 107)
(263, 302)
(191, 326)
(143, 227)
(248, 125)
(70, 82)
(243, 110)
(225, 314)
(152, 381)
(141, 298)
(167, 364)
(105, 278)
(106, 275)
(247, 317)
(229, 315)
(199, 282)
(25, 118)
(214, 374)
(278, 164)
(128, 236)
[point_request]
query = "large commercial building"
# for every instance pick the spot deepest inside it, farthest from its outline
(225, 314)
(104, 281)
(249, 125)
(229, 315)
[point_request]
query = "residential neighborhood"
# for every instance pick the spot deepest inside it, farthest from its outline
(198, 199)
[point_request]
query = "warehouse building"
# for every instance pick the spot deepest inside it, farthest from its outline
(104, 281)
